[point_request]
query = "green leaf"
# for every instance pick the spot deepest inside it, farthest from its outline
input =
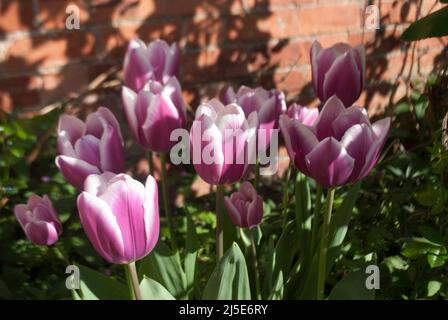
(415, 247)
(277, 289)
(97, 286)
(436, 257)
(302, 210)
(353, 286)
(229, 280)
(433, 287)
(433, 25)
(431, 234)
(152, 290)
(164, 267)
(191, 247)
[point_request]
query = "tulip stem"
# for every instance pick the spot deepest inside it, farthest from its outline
(133, 280)
(166, 203)
(219, 222)
(317, 208)
(322, 272)
(150, 164)
(257, 175)
(129, 281)
(255, 264)
(285, 200)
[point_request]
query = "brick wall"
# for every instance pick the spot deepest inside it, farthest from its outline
(254, 42)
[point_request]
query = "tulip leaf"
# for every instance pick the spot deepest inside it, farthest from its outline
(192, 247)
(353, 285)
(433, 25)
(97, 286)
(164, 267)
(286, 248)
(277, 289)
(152, 290)
(302, 210)
(274, 276)
(229, 280)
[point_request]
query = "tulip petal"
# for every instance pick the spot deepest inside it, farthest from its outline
(96, 184)
(255, 211)
(348, 118)
(151, 213)
(41, 233)
(172, 64)
(229, 96)
(136, 70)
(360, 56)
(157, 55)
(74, 170)
(87, 148)
(233, 212)
(111, 150)
(329, 163)
(343, 80)
(331, 110)
(20, 211)
(69, 130)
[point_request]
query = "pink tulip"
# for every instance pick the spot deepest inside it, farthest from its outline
(39, 220)
(157, 61)
(120, 216)
(154, 112)
(340, 148)
(339, 70)
(268, 104)
(245, 207)
(92, 147)
(305, 115)
(231, 136)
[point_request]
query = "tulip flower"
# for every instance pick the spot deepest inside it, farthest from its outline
(338, 70)
(157, 61)
(229, 134)
(88, 148)
(268, 104)
(305, 115)
(245, 207)
(39, 220)
(120, 216)
(340, 148)
(154, 112)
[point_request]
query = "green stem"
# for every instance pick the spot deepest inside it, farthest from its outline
(129, 281)
(133, 280)
(285, 200)
(61, 252)
(322, 272)
(255, 265)
(257, 175)
(316, 214)
(166, 203)
(150, 163)
(219, 222)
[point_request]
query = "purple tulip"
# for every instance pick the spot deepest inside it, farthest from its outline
(338, 70)
(120, 216)
(87, 148)
(305, 115)
(226, 132)
(341, 147)
(245, 207)
(154, 112)
(157, 61)
(268, 104)
(39, 220)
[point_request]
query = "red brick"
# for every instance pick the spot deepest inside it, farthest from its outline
(52, 13)
(16, 15)
(44, 51)
(205, 31)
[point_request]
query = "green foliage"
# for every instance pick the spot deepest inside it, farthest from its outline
(433, 25)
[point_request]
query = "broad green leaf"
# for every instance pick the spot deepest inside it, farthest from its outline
(152, 290)
(395, 263)
(229, 280)
(191, 246)
(164, 267)
(302, 210)
(286, 248)
(277, 289)
(415, 247)
(97, 286)
(353, 286)
(431, 234)
(433, 25)
(433, 287)
(436, 256)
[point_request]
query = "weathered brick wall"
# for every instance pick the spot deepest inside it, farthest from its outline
(255, 42)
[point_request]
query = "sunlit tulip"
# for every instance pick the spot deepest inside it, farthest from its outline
(39, 220)
(157, 61)
(338, 70)
(245, 207)
(305, 115)
(226, 134)
(92, 147)
(120, 216)
(154, 112)
(341, 147)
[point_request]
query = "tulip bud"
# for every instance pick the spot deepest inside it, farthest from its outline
(338, 70)
(305, 115)
(245, 207)
(39, 220)
(120, 216)
(87, 148)
(154, 112)
(157, 62)
(341, 147)
(223, 142)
